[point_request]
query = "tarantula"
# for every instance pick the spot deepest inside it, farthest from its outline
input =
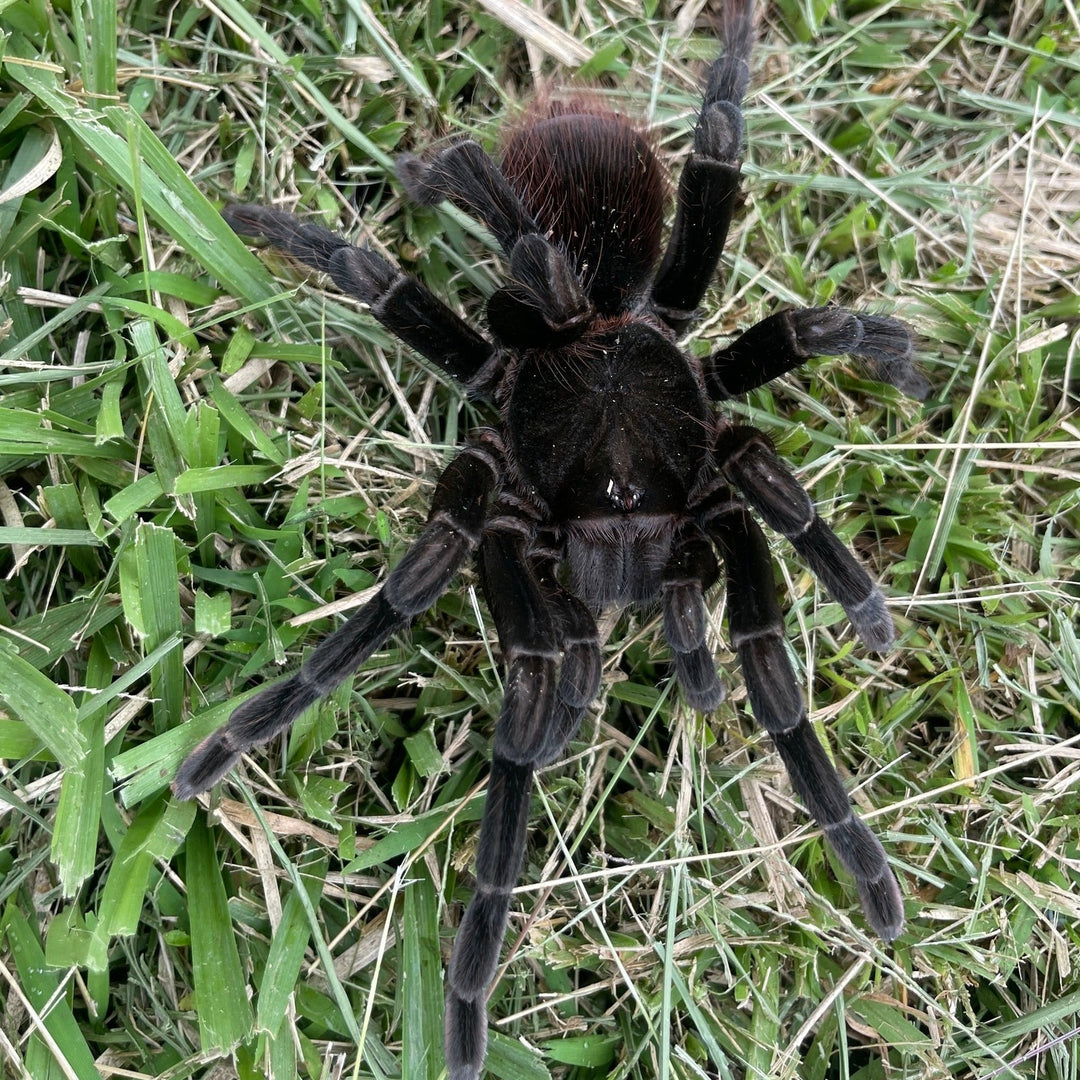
(607, 476)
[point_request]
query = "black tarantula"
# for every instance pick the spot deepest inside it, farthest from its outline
(607, 476)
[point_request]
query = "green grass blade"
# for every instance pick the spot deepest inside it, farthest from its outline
(42, 706)
(422, 982)
(78, 815)
(221, 478)
(188, 475)
(38, 537)
(174, 202)
(224, 1011)
(63, 1044)
(150, 590)
(266, 43)
(155, 835)
(287, 948)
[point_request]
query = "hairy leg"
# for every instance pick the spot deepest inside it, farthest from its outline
(553, 665)
(529, 639)
(544, 283)
(709, 185)
(450, 536)
(480, 935)
(402, 304)
(788, 339)
(749, 461)
(581, 667)
(757, 634)
(691, 569)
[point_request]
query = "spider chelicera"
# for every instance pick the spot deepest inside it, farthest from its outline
(607, 476)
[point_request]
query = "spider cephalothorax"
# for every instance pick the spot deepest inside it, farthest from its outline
(607, 477)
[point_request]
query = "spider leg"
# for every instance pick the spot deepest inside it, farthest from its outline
(709, 185)
(757, 634)
(480, 935)
(399, 301)
(788, 339)
(462, 172)
(581, 668)
(534, 622)
(450, 536)
(543, 278)
(748, 460)
(690, 570)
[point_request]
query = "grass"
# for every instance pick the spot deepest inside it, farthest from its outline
(202, 464)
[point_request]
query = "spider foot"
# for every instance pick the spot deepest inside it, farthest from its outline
(465, 1037)
(888, 348)
(787, 339)
(500, 852)
(430, 179)
(690, 570)
(862, 601)
(311, 244)
(358, 271)
(700, 683)
(883, 905)
(261, 717)
(863, 856)
(400, 302)
(205, 766)
(549, 284)
(885, 343)
(818, 784)
(751, 463)
(461, 172)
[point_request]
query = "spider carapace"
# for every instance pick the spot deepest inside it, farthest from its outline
(608, 476)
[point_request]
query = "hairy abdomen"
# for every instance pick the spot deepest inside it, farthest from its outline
(590, 179)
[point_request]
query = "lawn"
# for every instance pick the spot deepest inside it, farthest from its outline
(207, 456)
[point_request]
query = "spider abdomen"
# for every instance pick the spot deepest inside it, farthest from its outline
(590, 179)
